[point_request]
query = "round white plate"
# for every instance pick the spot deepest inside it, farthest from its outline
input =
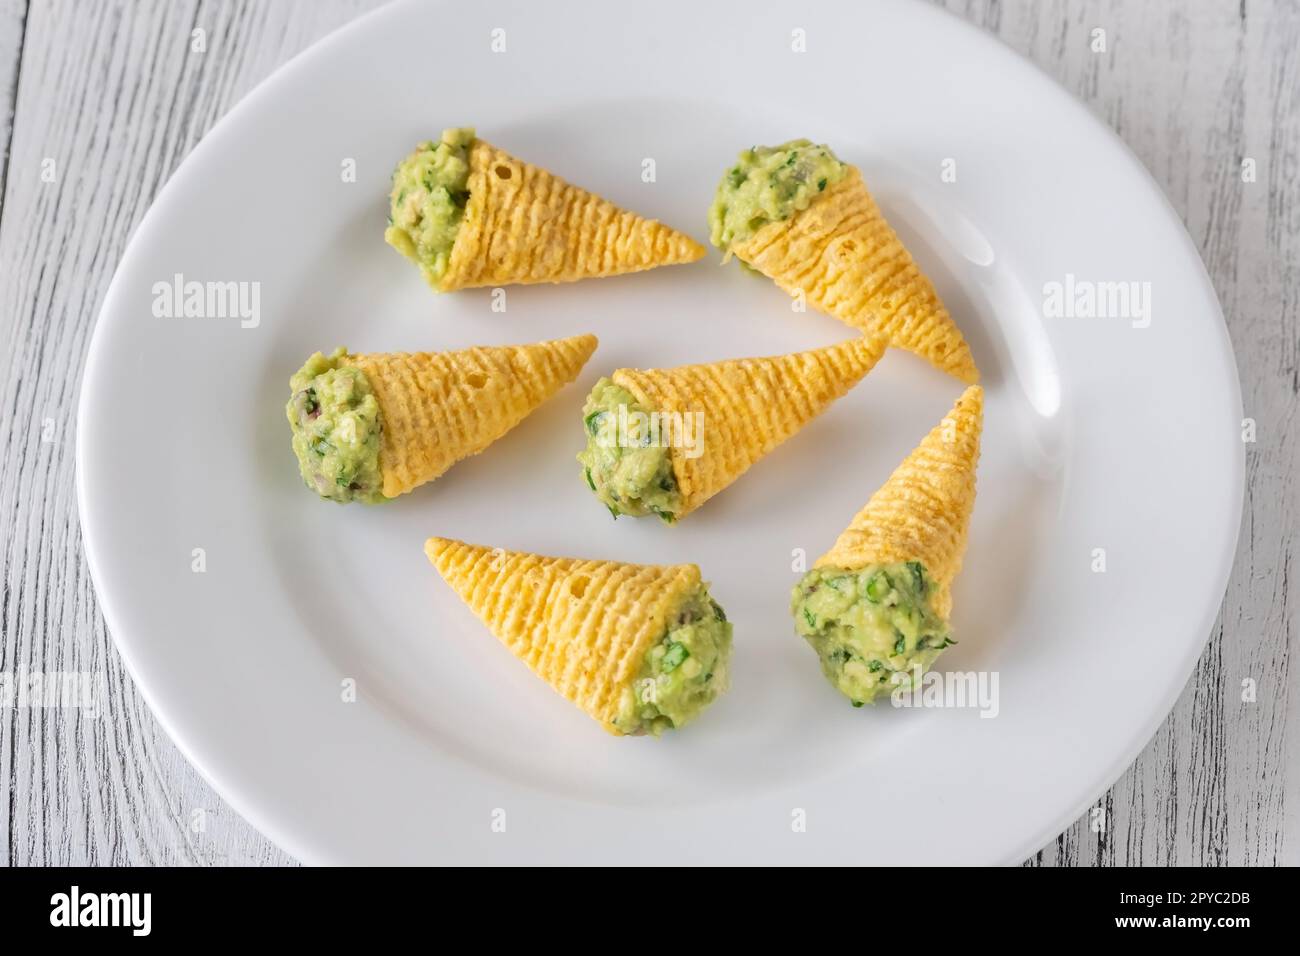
(1104, 434)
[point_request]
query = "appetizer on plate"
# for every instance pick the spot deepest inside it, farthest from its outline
(875, 606)
(664, 441)
(805, 219)
(641, 648)
(469, 214)
(372, 427)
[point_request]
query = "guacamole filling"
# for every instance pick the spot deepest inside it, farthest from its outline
(683, 672)
(628, 468)
(769, 184)
(427, 204)
(870, 627)
(336, 426)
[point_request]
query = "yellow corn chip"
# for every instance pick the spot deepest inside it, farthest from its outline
(846, 259)
(922, 513)
(582, 626)
(749, 405)
(523, 224)
(440, 407)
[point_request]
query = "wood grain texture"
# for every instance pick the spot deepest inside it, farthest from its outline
(13, 24)
(113, 94)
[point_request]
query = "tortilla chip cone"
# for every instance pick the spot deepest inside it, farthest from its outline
(523, 224)
(582, 626)
(849, 263)
(922, 513)
(440, 407)
(749, 405)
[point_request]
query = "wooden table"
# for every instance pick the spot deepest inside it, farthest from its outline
(111, 94)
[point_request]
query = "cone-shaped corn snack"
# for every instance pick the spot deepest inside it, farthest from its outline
(640, 648)
(875, 606)
(469, 214)
(804, 219)
(371, 427)
(664, 441)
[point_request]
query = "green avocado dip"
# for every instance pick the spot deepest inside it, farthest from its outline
(683, 672)
(869, 625)
(629, 471)
(336, 426)
(769, 184)
(427, 204)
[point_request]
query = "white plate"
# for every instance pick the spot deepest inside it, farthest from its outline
(1098, 434)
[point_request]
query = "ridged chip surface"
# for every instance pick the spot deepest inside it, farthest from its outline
(750, 406)
(582, 626)
(439, 407)
(523, 224)
(922, 513)
(848, 262)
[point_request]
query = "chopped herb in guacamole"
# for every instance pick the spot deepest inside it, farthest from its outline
(869, 625)
(427, 204)
(336, 428)
(628, 471)
(769, 184)
(683, 672)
